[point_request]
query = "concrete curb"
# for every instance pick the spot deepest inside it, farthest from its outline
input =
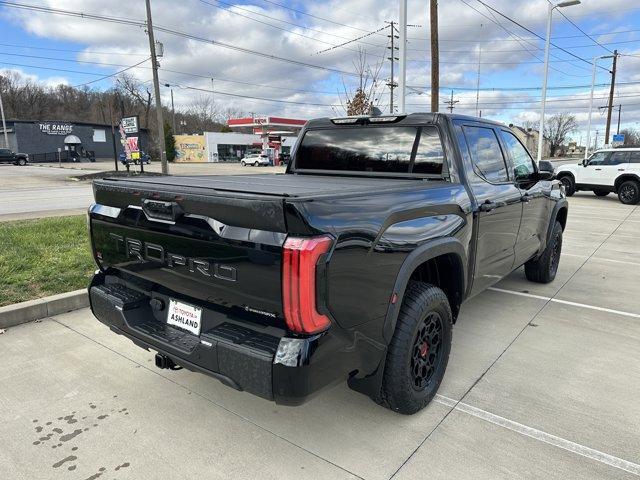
(24, 312)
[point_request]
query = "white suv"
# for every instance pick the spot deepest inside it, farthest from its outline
(256, 159)
(608, 170)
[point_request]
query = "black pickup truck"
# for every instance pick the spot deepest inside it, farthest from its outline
(7, 156)
(351, 266)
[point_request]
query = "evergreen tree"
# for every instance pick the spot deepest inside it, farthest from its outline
(170, 142)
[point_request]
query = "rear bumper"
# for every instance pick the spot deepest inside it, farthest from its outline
(243, 355)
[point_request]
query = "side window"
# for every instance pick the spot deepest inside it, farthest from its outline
(616, 158)
(429, 156)
(486, 153)
(522, 161)
(4, 151)
(598, 158)
(634, 157)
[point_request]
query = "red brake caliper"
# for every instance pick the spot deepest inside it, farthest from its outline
(424, 349)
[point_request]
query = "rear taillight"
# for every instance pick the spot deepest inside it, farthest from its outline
(299, 262)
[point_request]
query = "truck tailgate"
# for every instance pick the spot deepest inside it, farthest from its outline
(217, 249)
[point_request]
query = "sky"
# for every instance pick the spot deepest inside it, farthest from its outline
(296, 58)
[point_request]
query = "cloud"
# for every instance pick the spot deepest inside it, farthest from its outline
(504, 48)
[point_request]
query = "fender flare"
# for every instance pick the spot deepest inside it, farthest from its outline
(623, 178)
(560, 204)
(430, 249)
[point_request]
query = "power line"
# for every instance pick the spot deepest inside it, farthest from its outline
(178, 33)
(236, 7)
(534, 33)
(583, 32)
(32, 47)
(111, 75)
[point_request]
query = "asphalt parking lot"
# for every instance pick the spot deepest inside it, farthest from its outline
(543, 382)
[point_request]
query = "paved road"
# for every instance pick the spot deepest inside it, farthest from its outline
(46, 190)
(543, 383)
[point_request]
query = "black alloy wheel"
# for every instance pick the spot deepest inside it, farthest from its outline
(629, 192)
(427, 354)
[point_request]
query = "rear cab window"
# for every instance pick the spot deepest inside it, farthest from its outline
(389, 149)
(486, 155)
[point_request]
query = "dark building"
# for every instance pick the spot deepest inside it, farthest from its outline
(38, 138)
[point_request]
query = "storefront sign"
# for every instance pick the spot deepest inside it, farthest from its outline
(132, 143)
(130, 124)
(190, 148)
(53, 128)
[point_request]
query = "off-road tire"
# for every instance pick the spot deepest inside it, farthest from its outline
(425, 317)
(601, 193)
(569, 184)
(629, 192)
(544, 268)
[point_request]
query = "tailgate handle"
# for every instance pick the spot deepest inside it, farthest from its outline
(161, 211)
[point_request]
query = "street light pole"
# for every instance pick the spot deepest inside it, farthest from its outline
(173, 109)
(593, 83)
(4, 124)
(543, 101)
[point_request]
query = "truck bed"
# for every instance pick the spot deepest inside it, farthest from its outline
(280, 185)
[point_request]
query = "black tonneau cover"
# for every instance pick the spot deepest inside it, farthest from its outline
(281, 185)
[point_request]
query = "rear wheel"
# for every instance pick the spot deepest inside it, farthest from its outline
(544, 268)
(601, 193)
(22, 162)
(629, 192)
(569, 184)
(419, 350)
(256, 164)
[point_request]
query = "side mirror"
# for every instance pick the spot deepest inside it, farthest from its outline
(545, 175)
(545, 166)
(585, 162)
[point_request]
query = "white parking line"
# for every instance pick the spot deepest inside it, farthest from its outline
(566, 302)
(603, 259)
(542, 436)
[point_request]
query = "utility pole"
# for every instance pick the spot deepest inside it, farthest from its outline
(451, 102)
(619, 114)
(402, 53)
(173, 109)
(156, 88)
(478, 79)
(610, 107)
(4, 124)
(392, 82)
(435, 57)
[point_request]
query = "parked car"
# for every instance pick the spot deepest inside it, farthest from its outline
(351, 266)
(608, 170)
(144, 157)
(7, 156)
(256, 160)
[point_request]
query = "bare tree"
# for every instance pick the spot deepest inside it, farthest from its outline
(130, 88)
(557, 128)
(631, 137)
(365, 96)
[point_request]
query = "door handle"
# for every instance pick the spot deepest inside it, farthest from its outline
(488, 205)
(598, 169)
(621, 169)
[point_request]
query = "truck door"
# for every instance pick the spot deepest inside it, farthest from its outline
(614, 165)
(535, 205)
(588, 174)
(499, 206)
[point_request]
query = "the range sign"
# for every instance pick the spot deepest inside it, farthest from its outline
(129, 124)
(51, 128)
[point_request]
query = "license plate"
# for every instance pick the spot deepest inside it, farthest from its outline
(185, 316)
